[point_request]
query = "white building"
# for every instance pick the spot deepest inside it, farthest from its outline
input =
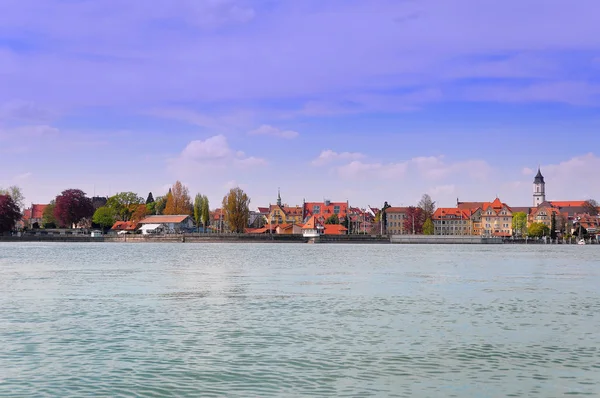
(168, 224)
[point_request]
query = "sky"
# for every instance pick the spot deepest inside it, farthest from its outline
(346, 100)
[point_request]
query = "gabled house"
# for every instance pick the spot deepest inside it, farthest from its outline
(218, 223)
(543, 214)
(289, 229)
(312, 228)
(452, 221)
(124, 227)
(323, 210)
(167, 223)
(496, 219)
(33, 216)
(361, 220)
(283, 214)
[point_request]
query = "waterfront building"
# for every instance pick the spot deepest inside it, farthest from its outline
(323, 210)
(496, 219)
(33, 216)
(124, 227)
(452, 221)
(396, 217)
(168, 223)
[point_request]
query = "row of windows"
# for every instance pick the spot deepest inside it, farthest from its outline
(317, 209)
(393, 216)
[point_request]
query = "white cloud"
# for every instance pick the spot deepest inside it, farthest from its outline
(271, 131)
(435, 168)
(360, 170)
(527, 171)
(215, 152)
(251, 162)
(213, 148)
(573, 179)
(329, 156)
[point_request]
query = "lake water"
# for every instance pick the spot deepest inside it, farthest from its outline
(287, 320)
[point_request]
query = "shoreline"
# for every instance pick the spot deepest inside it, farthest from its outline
(248, 238)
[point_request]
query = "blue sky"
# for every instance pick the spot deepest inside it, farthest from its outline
(353, 100)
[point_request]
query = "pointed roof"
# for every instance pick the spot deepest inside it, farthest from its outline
(539, 178)
(278, 196)
(312, 223)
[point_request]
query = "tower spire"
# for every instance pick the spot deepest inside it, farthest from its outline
(278, 196)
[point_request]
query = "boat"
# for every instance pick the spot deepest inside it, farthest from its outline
(581, 242)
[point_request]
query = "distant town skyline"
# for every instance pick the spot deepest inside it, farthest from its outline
(350, 101)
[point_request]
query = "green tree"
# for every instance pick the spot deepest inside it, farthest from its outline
(236, 205)
(519, 223)
(48, 219)
(160, 204)
(205, 212)
(151, 208)
(124, 204)
(198, 209)
(538, 229)
(428, 228)
(332, 219)
(104, 216)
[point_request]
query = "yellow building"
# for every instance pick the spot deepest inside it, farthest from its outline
(284, 215)
(496, 219)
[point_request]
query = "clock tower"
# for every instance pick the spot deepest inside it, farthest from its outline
(539, 189)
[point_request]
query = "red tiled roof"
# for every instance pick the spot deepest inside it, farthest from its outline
(451, 212)
(263, 210)
(396, 210)
(312, 223)
(287, 210)
(496, 205)
(164, 219)
(335, 229)
(470, 205)
(326, 210)
(124, 226)
(568, 203)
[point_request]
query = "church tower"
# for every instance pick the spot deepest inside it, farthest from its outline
(539, 189)
(278, 197)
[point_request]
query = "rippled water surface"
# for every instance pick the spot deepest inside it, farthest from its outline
(264, 320)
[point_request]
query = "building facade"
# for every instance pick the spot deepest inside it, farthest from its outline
(496, 219)
(452, 221)
(396, 217)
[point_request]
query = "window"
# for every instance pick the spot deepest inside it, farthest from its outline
(336, 209)
(316, 209)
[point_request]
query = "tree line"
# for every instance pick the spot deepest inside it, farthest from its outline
(72, 208)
